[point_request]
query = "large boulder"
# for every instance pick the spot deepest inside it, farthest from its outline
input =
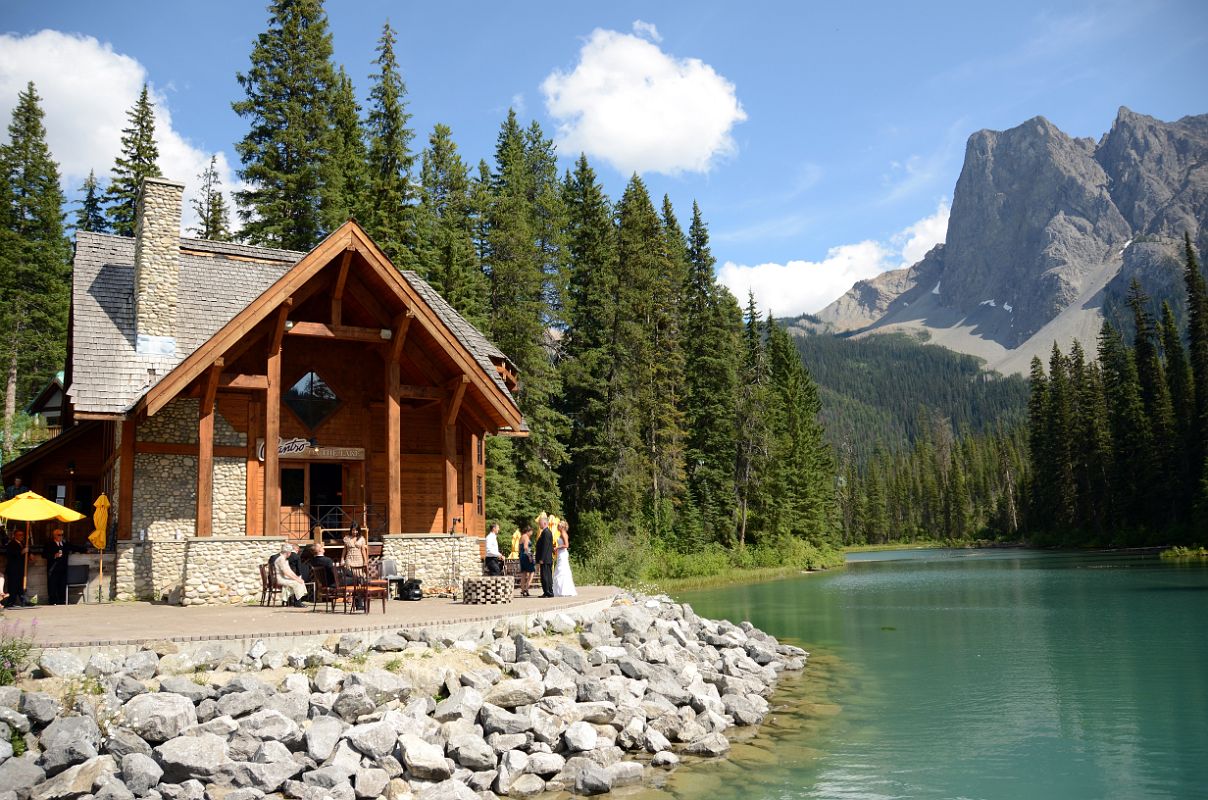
(711, 746)
(159, 717)
(69, 741)
(20, 775)
(191, 757)
(263, 777)
(516, 692)
(39, 708)
(375, 739)
(579, 737)
(141, 665)
(322, 735)
(497, 720)
(265, 725)
(463, 703)
(185, 687)
(140, 773)
(379, 685)
(77, 781)
(472, 752)
(60, 664)
(423, 760)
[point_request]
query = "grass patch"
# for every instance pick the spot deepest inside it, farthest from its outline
(1185, 553)
(360, 659)
(727, 578)
(16, 650)
(394, 665)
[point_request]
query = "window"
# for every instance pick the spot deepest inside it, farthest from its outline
(312, 400)
(480, 495)
(480, 439)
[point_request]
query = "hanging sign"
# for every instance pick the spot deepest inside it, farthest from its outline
(299, 448)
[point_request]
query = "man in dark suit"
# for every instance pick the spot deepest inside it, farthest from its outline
(56, 551)
(544, 551)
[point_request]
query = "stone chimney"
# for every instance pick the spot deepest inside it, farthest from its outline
(157, 265)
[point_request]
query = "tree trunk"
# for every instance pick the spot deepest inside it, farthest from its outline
(10, 406)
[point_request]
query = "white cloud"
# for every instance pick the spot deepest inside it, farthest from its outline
(804, 287)
(640, 109)
(86, 90)
(647, 30)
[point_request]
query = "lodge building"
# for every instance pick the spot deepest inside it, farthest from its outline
(228, 397)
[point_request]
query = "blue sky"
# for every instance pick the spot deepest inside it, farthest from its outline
(821, 141)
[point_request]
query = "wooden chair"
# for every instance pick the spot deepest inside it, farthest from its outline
(329, 593)
(370, 585)
(268, 586)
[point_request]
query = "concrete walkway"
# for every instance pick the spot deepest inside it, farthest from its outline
(126, 625)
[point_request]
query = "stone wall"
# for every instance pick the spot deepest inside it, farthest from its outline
(230, 497)
(150, 570)
(157, 257)
(221, 570)
(434, 557)
(176, 423)
(165, 495)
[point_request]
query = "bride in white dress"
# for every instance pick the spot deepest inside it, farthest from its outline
(564, 582)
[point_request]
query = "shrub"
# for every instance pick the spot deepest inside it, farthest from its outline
(16, 650)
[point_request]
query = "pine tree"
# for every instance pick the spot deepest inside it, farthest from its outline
(35, 273)
(1197, 337)
(1043, 473)
(521, 315)
(712, 348)
(1182, 402)
(1159, 483)
(210, 206)
(390, 216)
(1091, 446)
(290, 91)
(446, 225)
(138, 159)
(346, 192)
(755, 443)
(1130, 433)
(588, 355)
(90, 216)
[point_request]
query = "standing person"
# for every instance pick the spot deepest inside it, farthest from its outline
(356, 549)
(545, 558)
(564, 582)
(494, 560)
(287, 579)
(14, 570)
(527, 566)
(17, 488)
(56, 552)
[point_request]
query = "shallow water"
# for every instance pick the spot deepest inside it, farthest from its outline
(976, 674)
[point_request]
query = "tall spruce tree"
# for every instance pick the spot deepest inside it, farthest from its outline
(210, 205)
(346, 182)
(520, 319)
(446, 224)
(35, 271)
(390, 217)
(1130, 432)
(712, 358)
(588, 355)
(138, 159)
(1160, 481)
(1182, 402)
(754, 433)
(290, 89)
(90, 216)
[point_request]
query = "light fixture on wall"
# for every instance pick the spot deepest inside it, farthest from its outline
(71, 468)
(314, 445)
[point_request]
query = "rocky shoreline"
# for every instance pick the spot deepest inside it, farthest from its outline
(558, 703)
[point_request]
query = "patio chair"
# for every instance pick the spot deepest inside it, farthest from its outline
(77, 578)
(370, 585)
(329, 593)
(268, 586)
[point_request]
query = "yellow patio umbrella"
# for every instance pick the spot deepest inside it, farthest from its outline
(33, 507)
(99, 537)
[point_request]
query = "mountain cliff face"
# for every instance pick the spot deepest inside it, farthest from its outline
(1045, 231)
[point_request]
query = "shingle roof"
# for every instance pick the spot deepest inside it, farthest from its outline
(217, 281)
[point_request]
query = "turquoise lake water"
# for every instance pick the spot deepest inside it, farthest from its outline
(976, 674)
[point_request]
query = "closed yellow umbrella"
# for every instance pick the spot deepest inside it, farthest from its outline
(33, 507)
(100, 522)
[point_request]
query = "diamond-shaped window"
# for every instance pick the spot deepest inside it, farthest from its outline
(312, 400)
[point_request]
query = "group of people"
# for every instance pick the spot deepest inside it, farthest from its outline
(550, 554)
(293, 570)
(55, 551)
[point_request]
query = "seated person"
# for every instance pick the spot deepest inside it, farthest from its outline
(292, 587)
(313, 560)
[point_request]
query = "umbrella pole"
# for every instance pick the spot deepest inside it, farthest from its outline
(25, 572)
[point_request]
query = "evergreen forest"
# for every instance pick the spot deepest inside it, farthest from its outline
(678, 429)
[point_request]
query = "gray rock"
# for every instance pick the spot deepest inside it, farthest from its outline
(497, 720)
(370, 783)
(527, 785)
(10, 697)
(99, 665)
(625, 773)
(237, 704)
(350, 644)
(380, 686)
(447, 790)
(186, 687)
(656, 742)
(14, 719)
(140, 773)
(741, 709)
(512, 693)
(189, 790)
(68, 741)
(265, 725)
(113, 789)
(711, 746)
(248, 774)
(353, 703)
(328, 679)
(580, 736)
(191, 757)
(664, 759)
(322, 735)
(40, 708)
(212, 656)
(76, 781)
(591, 779)
(482, 781)
(20, 775)
(328, 777)
(159, 717)
(141, 665)
(390, 642)
(464, 703)
(294, 705)
(528, 651)
(60, 664)
(375, 739)
(122, 741)
(472, 752)
(545, 764)
(6, 746)
(222, 726)
(176, 664)
(271, 753)
(345, 756)
(503, 742)
(423, 760)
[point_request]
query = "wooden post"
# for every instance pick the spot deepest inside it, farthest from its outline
(125, 500)
(394, 451)
(205, 451)
(469, 509)
(255, 480)
(272, 425)
(457, 389)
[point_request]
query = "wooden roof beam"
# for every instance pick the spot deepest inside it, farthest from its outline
(343, 333)
(401, 324)
(337, 292)
(457, 391)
